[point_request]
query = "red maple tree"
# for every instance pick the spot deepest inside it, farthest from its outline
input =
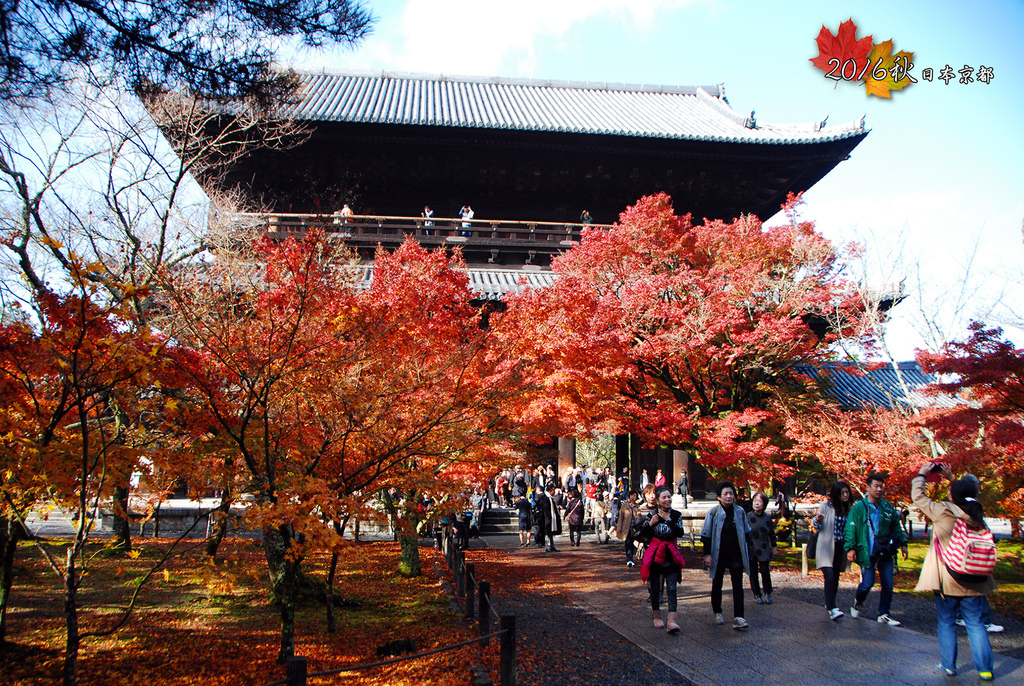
(984, 433)
(687, 334)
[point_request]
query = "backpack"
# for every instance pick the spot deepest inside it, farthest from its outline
(970, 556)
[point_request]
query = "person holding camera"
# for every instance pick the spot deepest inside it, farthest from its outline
(955, 591)
(873, 533)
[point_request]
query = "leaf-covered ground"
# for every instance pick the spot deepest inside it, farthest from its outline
(212, 625)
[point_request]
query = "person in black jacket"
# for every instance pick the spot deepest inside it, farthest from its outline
(546, 513)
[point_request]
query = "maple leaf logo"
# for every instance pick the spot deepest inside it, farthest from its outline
(842, 53)
(889, 73)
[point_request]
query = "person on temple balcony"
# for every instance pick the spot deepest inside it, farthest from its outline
(466, 213)
(427, 214)
(585, 217)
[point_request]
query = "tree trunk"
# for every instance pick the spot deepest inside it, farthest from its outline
(288, 613)
(275, 545)
(121, 525)
(71, 618)
(409, 560)
(332, 623)
(220, 524)
(10, 533)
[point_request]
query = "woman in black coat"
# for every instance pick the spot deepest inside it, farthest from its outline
(574, 517)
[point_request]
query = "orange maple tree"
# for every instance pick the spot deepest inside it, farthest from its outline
(316, 393)
(75, 387)
(689, 334)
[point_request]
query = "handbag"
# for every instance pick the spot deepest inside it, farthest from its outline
(812, 545)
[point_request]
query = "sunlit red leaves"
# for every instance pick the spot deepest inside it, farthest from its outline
(986, 429)
(835, 51)
(674, 331)
(322, 389)
(853, 443)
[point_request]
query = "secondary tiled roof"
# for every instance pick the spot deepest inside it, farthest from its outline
(854, 386)
(490, 284)
(671, 112)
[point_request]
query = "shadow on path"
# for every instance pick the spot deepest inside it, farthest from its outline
(790, 642)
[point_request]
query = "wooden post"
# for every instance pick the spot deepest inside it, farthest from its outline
(460, 573)
(485, 610)
(448, 549)
(470, 590)
(803, 559)
(508, 650)
(296, 671)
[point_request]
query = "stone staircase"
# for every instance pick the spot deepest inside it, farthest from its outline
(498, 521)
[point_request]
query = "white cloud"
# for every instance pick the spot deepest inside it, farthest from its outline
(488, 38)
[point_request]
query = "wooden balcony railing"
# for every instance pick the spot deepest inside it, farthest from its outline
(453, 230)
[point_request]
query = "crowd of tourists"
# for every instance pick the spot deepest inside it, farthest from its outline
(741, 538)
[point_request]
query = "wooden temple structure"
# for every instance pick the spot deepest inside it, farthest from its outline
(529, 157)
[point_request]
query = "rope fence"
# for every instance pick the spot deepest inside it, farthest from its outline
(477, 596)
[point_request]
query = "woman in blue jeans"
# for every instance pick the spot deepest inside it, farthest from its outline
(951, 595)
(661, 528)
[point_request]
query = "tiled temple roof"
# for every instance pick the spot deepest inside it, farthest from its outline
(854, 386)
(669, 112)
(490, 284)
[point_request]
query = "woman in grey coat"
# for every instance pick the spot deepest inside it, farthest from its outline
(724, 536)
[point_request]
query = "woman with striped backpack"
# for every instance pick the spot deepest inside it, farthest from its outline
(958, 566)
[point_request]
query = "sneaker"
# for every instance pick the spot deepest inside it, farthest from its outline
(961, 622)
(856, 610)
(719, 619)
(759, 599)
(740, 624)
(886, 619)
(945, 672)
(835, 613)
(630, 564)
(985, 676)
(768, 599)
(994, 628)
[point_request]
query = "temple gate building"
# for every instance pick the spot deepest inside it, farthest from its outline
(529, 157)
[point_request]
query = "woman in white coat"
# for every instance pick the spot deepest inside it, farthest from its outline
(829, 555)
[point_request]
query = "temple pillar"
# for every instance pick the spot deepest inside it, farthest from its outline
(680, 461)
(566, 454)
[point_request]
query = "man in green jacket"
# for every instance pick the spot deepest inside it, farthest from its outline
(870, 527)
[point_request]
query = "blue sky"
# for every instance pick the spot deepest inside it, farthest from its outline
(939, 177)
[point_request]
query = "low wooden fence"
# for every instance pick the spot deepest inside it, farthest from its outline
(476, 596)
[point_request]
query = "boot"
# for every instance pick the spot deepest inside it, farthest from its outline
(671, 626)
(658, 624)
